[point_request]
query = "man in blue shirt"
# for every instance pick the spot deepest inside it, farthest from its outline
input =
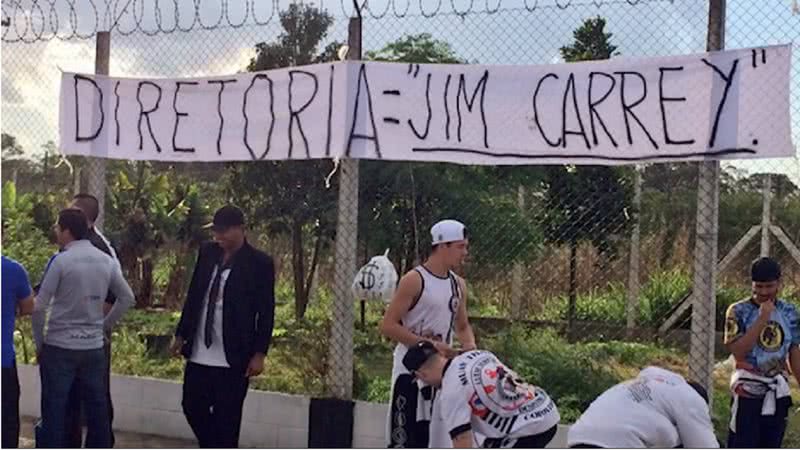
(763, 334)
(17, 298)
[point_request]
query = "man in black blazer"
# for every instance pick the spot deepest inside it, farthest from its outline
(225, 329)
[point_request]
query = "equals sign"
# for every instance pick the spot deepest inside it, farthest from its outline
(392, 120)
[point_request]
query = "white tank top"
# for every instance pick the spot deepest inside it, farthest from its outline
(433, 313)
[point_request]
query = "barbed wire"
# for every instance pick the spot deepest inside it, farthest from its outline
(30, 21)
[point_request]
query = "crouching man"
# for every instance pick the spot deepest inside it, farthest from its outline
(483, 402)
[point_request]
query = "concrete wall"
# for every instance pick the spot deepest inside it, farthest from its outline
(146, 405)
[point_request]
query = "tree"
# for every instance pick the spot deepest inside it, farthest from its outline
(291, 195)
(13, 161)
(591, 42)
(417, 48)
(10, 147)
(22, 239)
(304, 28)
(586, 203)
(155, 216)
(400, 196)
(25, 171)
(741, 205)
(669, 196)
(400, 200)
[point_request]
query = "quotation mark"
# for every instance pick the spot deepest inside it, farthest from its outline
(414, 68)
(754, 54)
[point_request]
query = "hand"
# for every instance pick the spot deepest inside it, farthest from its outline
(445, 349)
(176, 346)
(765, 310)
(256, 366)
(467, 348)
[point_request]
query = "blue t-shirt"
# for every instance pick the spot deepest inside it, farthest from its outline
(16, 287)
(782, 332)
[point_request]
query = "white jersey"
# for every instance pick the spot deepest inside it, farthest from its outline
(433, 313)
(658, 409)
(481, 394)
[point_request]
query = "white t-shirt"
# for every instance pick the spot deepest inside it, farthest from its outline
(658, 409)
(481, 394)
(215, 355)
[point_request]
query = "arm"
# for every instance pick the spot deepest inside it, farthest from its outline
(265, 321)
(739, 343)
(46, 268)
(47, 289)
(24, 295)
(101, 243)
(694, 422)
(457, 415)
(125, 299)
(463, 329)
(25, 306)
(463, 440)
(391, 325)
(793, 359)
(182, 332)
(794, 362)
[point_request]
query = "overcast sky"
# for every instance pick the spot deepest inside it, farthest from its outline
(512, 35)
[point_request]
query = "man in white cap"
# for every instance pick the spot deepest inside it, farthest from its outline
(429, 305)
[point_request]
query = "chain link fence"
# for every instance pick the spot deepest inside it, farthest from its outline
(570, 257)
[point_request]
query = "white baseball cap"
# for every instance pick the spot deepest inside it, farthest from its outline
(448, 231)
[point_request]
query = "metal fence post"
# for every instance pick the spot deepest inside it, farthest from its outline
(701, 347)
(340, 353)
(96, 167)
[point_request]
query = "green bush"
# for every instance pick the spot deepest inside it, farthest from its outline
(597, 305)
(660, 294)
(635, 355)
(24, 240)
(150, 322)
(129, 357)
(378, 390)
(568, 372)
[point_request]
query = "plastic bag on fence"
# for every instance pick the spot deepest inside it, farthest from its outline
(376, 280)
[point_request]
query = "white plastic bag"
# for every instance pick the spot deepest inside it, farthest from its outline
(376, 280)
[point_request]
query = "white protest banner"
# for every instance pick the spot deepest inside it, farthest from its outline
(731, 104)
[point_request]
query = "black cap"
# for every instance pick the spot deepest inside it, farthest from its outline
(765, 270)
(226, 217)
(418, 355)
